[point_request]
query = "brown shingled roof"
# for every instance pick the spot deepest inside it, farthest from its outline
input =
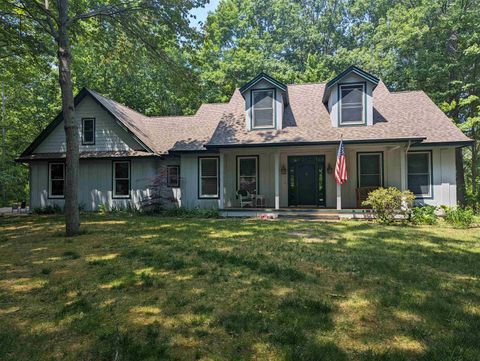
(406, 115)
(397, 116)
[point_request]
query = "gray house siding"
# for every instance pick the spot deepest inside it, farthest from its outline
(189, 183)
(443, 174)
(109, 136)
(95, 184)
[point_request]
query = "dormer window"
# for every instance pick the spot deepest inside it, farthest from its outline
(352, 104)
(263, 114)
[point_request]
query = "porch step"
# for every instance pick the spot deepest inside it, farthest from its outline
(313, 215)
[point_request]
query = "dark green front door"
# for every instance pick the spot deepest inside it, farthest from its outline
(306, 180)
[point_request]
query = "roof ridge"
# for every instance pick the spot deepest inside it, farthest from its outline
(112, 100)
(407, 91)
(307, 83)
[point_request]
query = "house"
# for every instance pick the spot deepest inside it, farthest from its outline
(274, 140)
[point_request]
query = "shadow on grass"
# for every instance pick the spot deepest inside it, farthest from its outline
(240, 289)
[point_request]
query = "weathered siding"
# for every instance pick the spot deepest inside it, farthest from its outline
(444, 176)
(109, 136)
(95, 184)
(189, 183)
(96, 177)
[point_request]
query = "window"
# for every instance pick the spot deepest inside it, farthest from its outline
(173, 176)
(56, 183)
(370, 169)
(247, 174)
(419, 165)
(121, 179)
(88, 131)
(263, 108)
(208, 177)
(352, 99)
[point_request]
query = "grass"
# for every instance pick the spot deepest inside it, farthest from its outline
(146, 288)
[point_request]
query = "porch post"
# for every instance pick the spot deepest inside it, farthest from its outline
(277, 180)
(339, 196)
(221, 183)
(403, 167)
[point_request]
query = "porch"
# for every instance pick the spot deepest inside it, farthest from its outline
(303, 176)
(301, 179)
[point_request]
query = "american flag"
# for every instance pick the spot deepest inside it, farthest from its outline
(340, 167)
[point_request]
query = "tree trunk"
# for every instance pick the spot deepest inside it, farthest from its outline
(72, 217)
(460, 176)
(474, 172)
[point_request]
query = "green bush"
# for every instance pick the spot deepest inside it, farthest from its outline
(424, 215)
(389, 202)
(459, 217)
(55, 209)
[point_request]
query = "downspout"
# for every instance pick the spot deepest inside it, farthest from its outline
(408, 146)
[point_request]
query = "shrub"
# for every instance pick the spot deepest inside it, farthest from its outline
(388, 202)
(459, 217)
(55, 209)
(424, 215)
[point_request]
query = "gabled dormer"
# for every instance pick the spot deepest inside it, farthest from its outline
(349, 99)
(265, 101)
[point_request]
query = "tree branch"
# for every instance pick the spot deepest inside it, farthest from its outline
(107, 10)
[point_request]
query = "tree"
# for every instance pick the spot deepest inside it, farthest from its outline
(42, 27)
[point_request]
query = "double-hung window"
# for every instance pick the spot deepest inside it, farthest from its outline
(352, 104)
(247, 173)
(419, 165)
(56, 180)
(173, 176)
(370, 169)
(121, 179)
(88, 131)
(208, 177)
(263, 112)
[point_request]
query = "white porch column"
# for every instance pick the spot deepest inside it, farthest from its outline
(222, 187)
(403, 169)
(339, 196)
(277, 180)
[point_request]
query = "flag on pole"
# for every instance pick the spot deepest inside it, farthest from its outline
(340, 166)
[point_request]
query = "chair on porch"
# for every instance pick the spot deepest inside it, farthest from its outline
(245, 198)
(362, 195)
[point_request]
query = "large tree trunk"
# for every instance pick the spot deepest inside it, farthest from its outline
(474, 171)
(460, 176)
(72, 217)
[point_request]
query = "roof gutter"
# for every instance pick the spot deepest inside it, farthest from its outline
(286, 144)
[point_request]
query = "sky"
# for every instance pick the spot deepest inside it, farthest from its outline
(201, 13)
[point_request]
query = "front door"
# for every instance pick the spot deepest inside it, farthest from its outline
(306, 180)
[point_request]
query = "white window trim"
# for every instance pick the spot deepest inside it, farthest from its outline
(114, 179)
(50, 195)
(169, 184)
(272, 126)
(430, 175)
(340, 101)
(256, 171)
(200, 177)
(83, 131)
(359, 173)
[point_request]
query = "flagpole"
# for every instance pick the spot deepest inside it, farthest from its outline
(339, 186)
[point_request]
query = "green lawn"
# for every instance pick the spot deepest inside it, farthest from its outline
(136, 288)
